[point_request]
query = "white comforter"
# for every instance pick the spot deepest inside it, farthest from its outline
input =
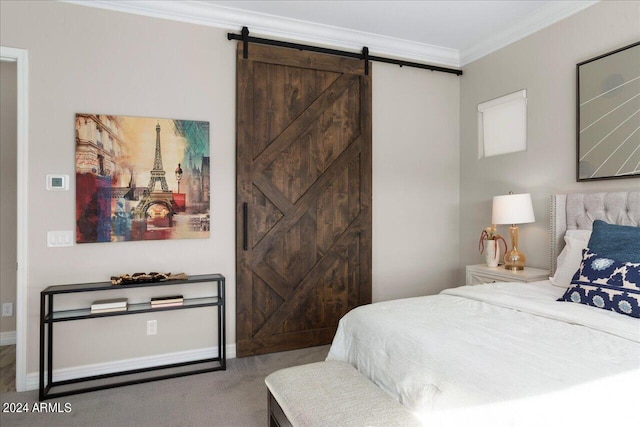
(497, 354)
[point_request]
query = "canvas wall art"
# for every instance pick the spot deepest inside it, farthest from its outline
(608, 115)
(140, 178)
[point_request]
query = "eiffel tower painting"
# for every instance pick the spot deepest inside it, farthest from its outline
(112, 152)
(151, 197)
(157, 173)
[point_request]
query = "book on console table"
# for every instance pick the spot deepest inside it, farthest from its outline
(107, 310)
(168, 304)
(107, 304)
(167, 300)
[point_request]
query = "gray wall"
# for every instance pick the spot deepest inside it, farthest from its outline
(544, 64)
(415, 181)
(8, 162)
(90, 60)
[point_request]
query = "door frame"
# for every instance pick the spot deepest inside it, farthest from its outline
(21, 58)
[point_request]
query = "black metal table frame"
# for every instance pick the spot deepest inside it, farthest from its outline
(46, 333)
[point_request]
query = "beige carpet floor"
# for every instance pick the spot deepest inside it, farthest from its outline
(235, 397)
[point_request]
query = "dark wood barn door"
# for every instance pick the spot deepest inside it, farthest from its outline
(303, 196)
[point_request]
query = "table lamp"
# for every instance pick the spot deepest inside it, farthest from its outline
(513, 209)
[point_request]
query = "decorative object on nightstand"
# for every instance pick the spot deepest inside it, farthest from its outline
(480, 273)
(490, 242)
(513, 209)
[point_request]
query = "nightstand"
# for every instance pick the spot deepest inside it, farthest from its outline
(480, 273)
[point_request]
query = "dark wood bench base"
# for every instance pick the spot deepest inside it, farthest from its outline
(277, 418)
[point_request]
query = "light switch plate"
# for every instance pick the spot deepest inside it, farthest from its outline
(7, 309)
(58, 239)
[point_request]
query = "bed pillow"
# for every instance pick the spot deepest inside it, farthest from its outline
(606, 283)
(570, 257)
(619, 242)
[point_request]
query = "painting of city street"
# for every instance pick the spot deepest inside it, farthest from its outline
(141, 178)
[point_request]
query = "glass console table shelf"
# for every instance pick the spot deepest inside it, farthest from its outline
(49, 316)
(145, 307)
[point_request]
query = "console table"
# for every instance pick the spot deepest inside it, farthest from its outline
(49, 317)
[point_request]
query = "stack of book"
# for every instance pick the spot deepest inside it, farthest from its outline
(109, 305)
(169, 301)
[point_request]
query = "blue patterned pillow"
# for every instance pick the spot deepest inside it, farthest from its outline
(605, 283)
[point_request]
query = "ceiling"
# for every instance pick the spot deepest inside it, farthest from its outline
(444, 32)
(450, 24)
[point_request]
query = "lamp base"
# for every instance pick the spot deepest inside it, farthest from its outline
(514, 260)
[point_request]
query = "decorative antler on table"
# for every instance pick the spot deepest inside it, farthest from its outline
(126, 279)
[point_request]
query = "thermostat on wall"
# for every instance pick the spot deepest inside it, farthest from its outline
(57, 182)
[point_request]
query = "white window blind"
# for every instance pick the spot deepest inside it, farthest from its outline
(502, 125)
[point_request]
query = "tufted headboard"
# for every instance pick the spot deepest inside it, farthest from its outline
(578, 211)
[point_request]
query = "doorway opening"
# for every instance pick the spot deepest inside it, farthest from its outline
(19, 57)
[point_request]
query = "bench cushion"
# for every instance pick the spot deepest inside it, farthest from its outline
(334, 393)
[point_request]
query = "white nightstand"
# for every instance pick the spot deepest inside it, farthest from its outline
(480, 273)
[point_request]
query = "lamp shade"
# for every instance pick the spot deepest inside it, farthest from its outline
(512, 209)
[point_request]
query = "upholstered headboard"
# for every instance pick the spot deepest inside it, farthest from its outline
(578, 211)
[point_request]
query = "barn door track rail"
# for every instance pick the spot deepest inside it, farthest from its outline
(364, 55)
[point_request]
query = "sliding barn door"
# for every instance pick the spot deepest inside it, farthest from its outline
(303, 196)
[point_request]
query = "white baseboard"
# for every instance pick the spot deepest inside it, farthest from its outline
(9, 338)
(128, 364)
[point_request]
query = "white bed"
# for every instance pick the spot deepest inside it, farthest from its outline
(504, 353)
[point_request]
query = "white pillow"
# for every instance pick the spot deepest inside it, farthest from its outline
(582, 235)
(571, 256)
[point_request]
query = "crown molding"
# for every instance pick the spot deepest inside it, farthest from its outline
(264, 25)
(544, 17)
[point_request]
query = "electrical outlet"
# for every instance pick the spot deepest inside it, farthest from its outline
(7, 309)
(152, 327)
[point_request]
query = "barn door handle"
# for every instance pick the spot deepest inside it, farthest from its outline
(245, 225)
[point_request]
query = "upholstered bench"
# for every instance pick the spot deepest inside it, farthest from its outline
(331, 394)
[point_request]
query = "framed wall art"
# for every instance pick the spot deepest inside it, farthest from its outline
(608, 115)
(141, 178)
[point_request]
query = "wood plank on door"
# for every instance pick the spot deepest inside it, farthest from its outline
(304, 175)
